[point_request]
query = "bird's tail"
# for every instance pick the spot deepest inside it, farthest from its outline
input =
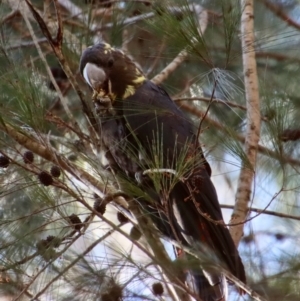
(210, 287)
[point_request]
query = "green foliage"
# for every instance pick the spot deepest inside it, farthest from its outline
(39, 243)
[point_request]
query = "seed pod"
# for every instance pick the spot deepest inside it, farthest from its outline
(135, 233)
(290, 135)
(75, 221)
(49, 254)
(279, 236)
(99, 204)
(72, 157)
(113, 294)
(59, 76)
(116, 292)
(54, 241)
(4, 161)
(42, 245)
(157, 289)
(248, 239)
(45, 178)
(106, 297)
(28, 157)
(55, 171)
(122, 218)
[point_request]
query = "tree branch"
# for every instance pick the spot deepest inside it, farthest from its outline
(278, 11)
(262, 149)
(247, 173)
(183, 54)
(51, 155)
(262, 211)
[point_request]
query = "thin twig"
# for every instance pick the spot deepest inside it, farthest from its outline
(26, 44)
(183, 54)
(214, 100)
(57, 49)
(157, 58)
(158, 250)
(44, 268)
(153, 244)
(51, 155)
(262, 149)
(276, 56)
(278, 11)
(126, 22)
(263, 211)
(9, 16)
(69, 266)
(165, 73)
(217, 101)
(42, 57)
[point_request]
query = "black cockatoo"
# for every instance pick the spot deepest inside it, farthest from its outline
(151, 143)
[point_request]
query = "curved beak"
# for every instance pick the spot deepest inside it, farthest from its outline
(94, 76)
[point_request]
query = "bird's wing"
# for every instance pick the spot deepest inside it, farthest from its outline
(163, 131)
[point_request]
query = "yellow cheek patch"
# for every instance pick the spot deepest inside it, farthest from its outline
(130, 90)
(107, 46)
(139, 79)
(112, 96)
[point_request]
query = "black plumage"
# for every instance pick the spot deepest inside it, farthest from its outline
(154, 145)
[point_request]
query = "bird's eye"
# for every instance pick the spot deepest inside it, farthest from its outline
(110, 62)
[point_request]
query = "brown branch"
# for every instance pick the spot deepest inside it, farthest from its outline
(26, 44)
(278, 11)
(9, 16)
(160, 256)
(262, 149)
(263, 211)
(165, 73)
(213, 100)
(217, 101)
(42, 269)
(58, 52)
(276, 56)
(41, 23)
(59, 34)
(76, 260)
(19, 262)
(183, 54)
(51, 155)
(53, 81)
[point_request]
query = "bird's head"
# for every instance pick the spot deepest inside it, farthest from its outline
(109, 72)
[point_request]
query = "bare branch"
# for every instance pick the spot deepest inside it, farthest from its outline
(58, 52)
(262, 149)
(59, 34)
(183, 54)
(51, 155)
(165, 73)
(278, 11)
(262, 211)
(247, 173)
(40, 52)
